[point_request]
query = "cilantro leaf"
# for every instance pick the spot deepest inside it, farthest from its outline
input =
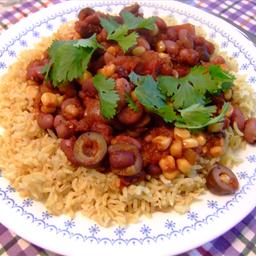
(151, 98)
(200, 120)
(108, 95)
(120, 32)
(222, 78)
(134, 22)
(131, 103)
(69, 59)
(109, 24)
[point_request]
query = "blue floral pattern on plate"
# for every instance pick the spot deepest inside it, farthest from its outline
(169, 228)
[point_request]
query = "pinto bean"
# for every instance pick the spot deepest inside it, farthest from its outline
(171, 47)
(185, 39)
(121, 159)
(189, 57)
(67, 146)
(71, 108)
(238, 117)
(128, 116)
(141, 41)
(250, 130)
(59, 119)
(45, 121)
(172, 34)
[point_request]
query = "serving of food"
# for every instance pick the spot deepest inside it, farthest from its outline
(119, 116)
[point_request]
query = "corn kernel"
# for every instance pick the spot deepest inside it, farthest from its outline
(72, 110)
(160, 46)
(201, 139)
(162, 142)
(183, 165)
(167, 164)
(180, 133)
(171, 175)
(176, 148)
(190, 155)
(216, 151)
(190, 143)
(108, 70)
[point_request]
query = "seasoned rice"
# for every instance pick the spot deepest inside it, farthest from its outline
(33, 162)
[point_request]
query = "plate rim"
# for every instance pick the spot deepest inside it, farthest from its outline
(24, 22)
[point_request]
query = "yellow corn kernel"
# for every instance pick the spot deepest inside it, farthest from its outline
(45, 109)
(183, 165)
(216, 151)
(180, 133)
(163, 55)
(108, 70)
(60, 99)
(190, 155)
(160, 46)
(49, 100)
(87, 74)
(167, 164)
(190, 143)
(138, 50)
(201, 139)
(176, 148)
(112, 50)
(162, 142)
(171, 175)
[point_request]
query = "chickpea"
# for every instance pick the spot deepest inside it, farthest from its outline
(183, 165)
(190, 155)
(180, 133)
(86, 75)
(190, 143)
(72, 110)
(49, 100)
(167, 164)
(162, 142)
(176, 148)
(46, 110)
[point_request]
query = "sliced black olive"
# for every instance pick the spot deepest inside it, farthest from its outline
(221, 180)
(90, 148)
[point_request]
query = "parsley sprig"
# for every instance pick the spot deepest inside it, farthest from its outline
(120, 32)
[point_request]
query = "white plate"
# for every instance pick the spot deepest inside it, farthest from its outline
(164, 234)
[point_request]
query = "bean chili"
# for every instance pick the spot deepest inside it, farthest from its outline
(138, 143)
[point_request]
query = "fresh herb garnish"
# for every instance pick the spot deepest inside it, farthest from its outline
(131, 104)
(151, 98)
(120, 32)
(107, 94)
(69, 59)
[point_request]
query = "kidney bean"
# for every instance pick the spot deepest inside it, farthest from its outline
(128, 116)
(172, 34)
(141, 41)
(123, 87)
(121, 159)
(199, 40)
(185, 39)
(87, 87)
(188, 56)
(154, 170)
(92, 111)
(67, 146)
(104, 129)
(59, 119)
(171, 47)
(64, 131)
(126, 139)
(218, 60)
(189, 27)
(85, 12)
(71, 108)
(134, 9)
(45, 121)
(238, 117)
(34, 70)
(250, 130)
(203, 53)
(161, 24)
